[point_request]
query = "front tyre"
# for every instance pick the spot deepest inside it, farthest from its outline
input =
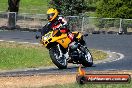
(88, 59)
(58, 57)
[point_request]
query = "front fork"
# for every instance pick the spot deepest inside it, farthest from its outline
(61, 53)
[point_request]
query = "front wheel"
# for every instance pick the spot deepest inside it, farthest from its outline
(58, 57)
(88, 59)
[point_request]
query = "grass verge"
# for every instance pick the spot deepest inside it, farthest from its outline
(16, 55)
(98, 55)
(28, 6)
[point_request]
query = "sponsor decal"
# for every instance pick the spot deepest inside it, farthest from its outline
(83, 78)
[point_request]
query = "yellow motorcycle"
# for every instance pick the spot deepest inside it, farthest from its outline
(62, 51)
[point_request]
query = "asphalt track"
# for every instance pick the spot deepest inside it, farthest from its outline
(109, 42)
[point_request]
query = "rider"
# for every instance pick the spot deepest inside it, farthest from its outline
(57, 22)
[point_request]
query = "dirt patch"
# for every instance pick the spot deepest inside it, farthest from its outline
(35, 81)
(46, 80)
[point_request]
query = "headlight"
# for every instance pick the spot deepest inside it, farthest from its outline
(46, 36)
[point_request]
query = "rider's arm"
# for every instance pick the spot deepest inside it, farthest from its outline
(63, 22)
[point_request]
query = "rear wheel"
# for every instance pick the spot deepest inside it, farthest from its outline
(88, 59)
(58, 57)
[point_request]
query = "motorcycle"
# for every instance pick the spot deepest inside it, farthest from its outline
(62, 51)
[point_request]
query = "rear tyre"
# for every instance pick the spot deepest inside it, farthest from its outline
(88, 60)
(60, 62)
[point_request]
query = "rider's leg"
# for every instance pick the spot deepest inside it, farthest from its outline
(74, 40)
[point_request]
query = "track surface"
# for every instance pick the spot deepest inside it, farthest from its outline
(110, 42)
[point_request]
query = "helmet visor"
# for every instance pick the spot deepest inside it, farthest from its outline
(50, 16)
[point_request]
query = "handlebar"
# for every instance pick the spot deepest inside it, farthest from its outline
(37, 36)
(85, 35)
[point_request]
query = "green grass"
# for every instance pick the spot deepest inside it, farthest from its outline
(3, 5)
(98, 55)
(75, 85)
(28, 6)
(16, 55)
(35, 6)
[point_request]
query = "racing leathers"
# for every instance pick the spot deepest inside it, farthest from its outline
(58, 24)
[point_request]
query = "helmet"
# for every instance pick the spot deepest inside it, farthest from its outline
(52, 14)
